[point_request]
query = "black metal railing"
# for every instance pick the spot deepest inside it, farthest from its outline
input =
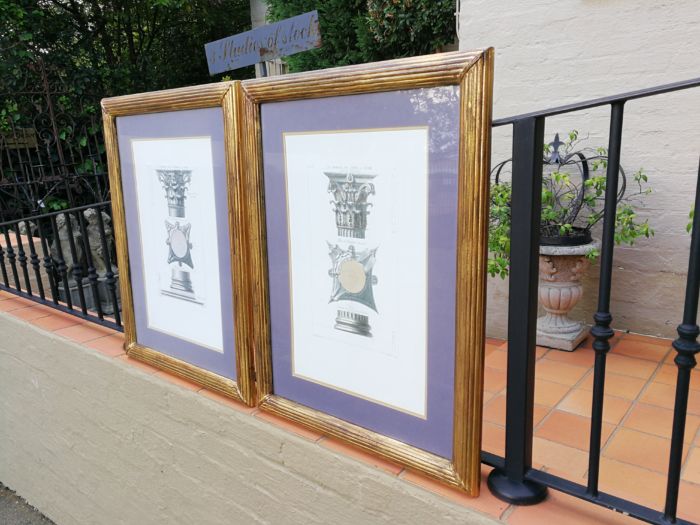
(513, 479)
(52, 151)
(65, 260)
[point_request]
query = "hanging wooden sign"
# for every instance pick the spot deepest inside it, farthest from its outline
(268, 42)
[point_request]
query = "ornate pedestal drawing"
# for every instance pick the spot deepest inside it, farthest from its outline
(175, 183)
(561, 270)
(352, 281)
(352, 263)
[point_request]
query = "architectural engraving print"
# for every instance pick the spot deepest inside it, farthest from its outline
(351, 269)
(350, 193)
(176, 182)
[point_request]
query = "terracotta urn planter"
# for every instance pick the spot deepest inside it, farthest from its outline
(560, 289)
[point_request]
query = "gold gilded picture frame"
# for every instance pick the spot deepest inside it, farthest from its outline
(472, 74)
(221, 95)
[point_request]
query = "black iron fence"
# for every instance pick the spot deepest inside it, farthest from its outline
(52, 153)
(66, 260)
(513, 479)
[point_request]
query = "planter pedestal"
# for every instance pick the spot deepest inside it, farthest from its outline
(560, 289)
(103, 293)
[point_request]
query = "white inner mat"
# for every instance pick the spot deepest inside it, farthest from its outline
(390, 367)
(197, 320)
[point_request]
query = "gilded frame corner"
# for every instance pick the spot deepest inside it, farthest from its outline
(473, 73)
(226, 95)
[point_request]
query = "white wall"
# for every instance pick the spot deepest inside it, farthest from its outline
(89, 439)
(557, 52)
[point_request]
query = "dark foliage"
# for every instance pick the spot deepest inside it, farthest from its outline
(358, 31)
(105, 48)
(58, 58)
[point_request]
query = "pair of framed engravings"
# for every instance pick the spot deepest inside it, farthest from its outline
(315, 244)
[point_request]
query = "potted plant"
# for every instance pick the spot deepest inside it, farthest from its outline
(573, 202)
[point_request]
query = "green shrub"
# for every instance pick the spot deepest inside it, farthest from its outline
(570, 204)
(358, 31)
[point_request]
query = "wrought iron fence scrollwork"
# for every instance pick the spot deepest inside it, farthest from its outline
(78, 274)
(52, 153)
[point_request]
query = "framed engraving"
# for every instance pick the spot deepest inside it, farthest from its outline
(368, 191)
(179, 227)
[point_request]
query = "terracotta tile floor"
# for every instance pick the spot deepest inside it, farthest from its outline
(637, 414)
(637, 420)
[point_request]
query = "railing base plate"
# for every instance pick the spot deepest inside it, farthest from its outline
(515, 492)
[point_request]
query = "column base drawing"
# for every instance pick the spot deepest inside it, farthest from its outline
(181, 286)
(353, 323)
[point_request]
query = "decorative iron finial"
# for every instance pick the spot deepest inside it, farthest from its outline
(556, 157)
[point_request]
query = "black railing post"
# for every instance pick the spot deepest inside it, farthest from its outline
(91, 271)
(77, 270)
(22, 259)
(61, 266)
(48, 262)
(509, 484)
(601, 331)
(110, 277)
(3, 268)
(9, 250)
(686, 347)
(34, 258)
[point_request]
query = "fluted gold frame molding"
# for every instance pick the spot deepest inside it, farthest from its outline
(224, 95)
(473, 73)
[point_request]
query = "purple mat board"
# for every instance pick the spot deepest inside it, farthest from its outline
(437, 108)
(196, 122)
